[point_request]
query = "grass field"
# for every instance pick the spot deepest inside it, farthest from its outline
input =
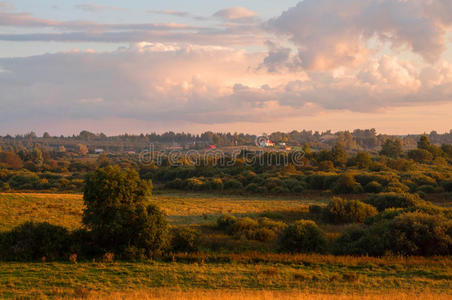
(65, 279)
(192, 208)
(207, 276)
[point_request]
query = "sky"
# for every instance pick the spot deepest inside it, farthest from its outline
(229, 66)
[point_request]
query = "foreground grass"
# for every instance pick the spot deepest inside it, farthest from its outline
(314, 276)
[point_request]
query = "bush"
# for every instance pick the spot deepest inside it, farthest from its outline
(34, 241)
(315, 209)
(394, 200)
(428, 189)
(242, 226)
(348, 211)
(373, 187)
(346, 184)
(4, 186)
(421, 234)
(254, 188)
(447, 185)
(304, 236)
(232, 184)
(401, 233)
(185, 240)
(225, 221)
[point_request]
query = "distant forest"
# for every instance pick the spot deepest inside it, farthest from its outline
(358, 139)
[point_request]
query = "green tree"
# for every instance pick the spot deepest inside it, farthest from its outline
(339, 155)
(118, 216)
(424, 143)
(362, 160)
(392, 148)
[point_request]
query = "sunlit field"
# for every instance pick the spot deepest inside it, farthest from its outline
(243, 275)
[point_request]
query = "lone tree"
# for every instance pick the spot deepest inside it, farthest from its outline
(118, 216)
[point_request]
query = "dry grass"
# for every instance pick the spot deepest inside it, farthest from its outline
(195, 208)
(57, 209)
(160, 294)
(66, 209)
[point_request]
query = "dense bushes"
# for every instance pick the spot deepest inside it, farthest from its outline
(410, 233)
(304, 236)
(263, 229)
(348, 211)
(394, 200)
(185, 240)
(346, 184)
(34, 241)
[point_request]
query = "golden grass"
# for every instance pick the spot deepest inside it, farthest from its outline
(58, 209)
(161, 294)
(66, 209)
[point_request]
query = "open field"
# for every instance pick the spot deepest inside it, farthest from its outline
(58, 209)
(181, 208)
(242, 275)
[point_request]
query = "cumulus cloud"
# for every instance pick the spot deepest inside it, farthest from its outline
(235, 14)
(217, 85)
(332, 33)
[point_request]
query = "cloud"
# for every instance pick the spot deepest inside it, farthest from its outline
(93, 7)
(182, 14)
(235, 14)
(217, 85)
(331, 34)
(6, 6)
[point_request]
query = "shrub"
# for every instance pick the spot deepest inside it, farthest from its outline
(321, 181)
(216, 184)
(304, 236)
(117, 215)
(399, 232)
(420, 155)
(326, 165)
(242, 226)
(272, 225)
(33, 241)
(280, 190)
(315, 209)
(254, 188)
(373, 187)
(346, 184)
(396, 187)
(421, 234)
(348, 211)
(185, 240)
(383, 201)
(447, 185)
(4, 186)
(225, 221)
(232, 184)
(428, 189)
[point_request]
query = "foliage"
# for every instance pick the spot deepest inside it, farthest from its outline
(304, 236)
(117, 214)
(34, 241)
(185, 240)
(348, 211)
(383, 201)
(346, 184)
